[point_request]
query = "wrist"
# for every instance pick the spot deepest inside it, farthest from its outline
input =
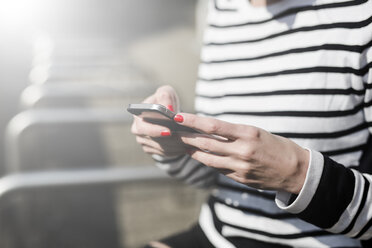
(300, 170)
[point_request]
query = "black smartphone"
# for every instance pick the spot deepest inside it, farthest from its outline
(158, 114)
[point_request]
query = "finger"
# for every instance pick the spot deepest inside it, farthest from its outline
(209, 125)
(146, 141)
(151, 150)
(167, 96)
(208, 143)
(213, 160)
(143, 128)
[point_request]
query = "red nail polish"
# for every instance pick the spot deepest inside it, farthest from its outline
(165, 133)
(178, 118)
(170, 107)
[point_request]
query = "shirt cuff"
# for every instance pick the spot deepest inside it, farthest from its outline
(313, 175)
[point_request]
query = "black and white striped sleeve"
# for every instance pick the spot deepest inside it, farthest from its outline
(334, 197)
(188, 170)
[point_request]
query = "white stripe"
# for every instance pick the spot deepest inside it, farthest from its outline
(302, 19)
(349, 159)
(206, 223)
(367, 235)
(320, 242)
(282, 82)
(230, 18)
(335, 143)
(281, 43)
(281, 63)
(366, 213)
(280, 103)
(294, 124)
(239, 218)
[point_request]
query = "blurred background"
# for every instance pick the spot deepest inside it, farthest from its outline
(71, 172)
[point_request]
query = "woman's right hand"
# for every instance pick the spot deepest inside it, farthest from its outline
(156, 139)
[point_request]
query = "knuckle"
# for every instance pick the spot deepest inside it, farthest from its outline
(253, 133)
(212, 127)
(246, 152)
(243, 180)
(245, 169)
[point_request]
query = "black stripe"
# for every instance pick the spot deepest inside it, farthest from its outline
(348, 91)
(344, 150)
(180, 168)
(355, 167)
(344, 25)
(292, 11)
(361, 206)
(204, 177)
(334, 193)
(326, 69)
(170, 160)
(330, 47)
(218, 224)
(321, 114)
(346, 247)
(337, 134)
(250, 191)
(259, 212)
(222, 9)
(190, 173)
(304, 234)
(364, 229)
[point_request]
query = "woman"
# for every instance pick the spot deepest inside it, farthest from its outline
(284, 102)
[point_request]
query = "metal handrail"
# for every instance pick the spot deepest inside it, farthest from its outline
(112, 176)
(31, 118)
(34, 94)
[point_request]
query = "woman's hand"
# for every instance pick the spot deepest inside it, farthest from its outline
(156, 139)
(247, 154)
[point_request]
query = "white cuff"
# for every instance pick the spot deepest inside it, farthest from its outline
(309, 188)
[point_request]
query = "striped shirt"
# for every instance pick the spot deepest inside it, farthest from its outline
(301, 70)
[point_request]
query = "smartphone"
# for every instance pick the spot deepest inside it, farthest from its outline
(158, 114)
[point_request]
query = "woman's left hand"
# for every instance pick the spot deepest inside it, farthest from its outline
(247, 154)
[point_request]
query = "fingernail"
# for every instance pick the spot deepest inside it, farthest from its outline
(178, 118)
(170, 107)
(165, 133)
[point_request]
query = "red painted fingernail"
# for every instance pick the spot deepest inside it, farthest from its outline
(170, 107)
(165, 133)
(178, 118)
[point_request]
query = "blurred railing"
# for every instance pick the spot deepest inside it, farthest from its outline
(65, 178)
(47, 117)
(67, 91)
